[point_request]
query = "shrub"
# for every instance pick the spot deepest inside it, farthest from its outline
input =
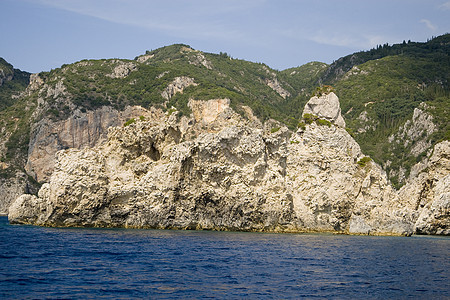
(323, 122)
(274, 129)
(363, 161)
(129, 122)
(323, 90)
(301, 125)
(350, 131)
(309, 118)
(171, 111)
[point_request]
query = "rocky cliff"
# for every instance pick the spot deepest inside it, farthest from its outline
(79, 130)
(74, 105)
(218, 170)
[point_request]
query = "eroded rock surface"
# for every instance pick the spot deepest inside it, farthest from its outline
(177, 86)
(219, 171)
(81, 129)
(326, 107)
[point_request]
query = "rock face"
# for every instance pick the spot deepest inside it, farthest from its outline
(207, 111)
(429, 193)
(276, 86)
(5, 76)
(326, 107)
(122, 69)
(81, 129)
(11, 189)
(219, 171)
(177, 86)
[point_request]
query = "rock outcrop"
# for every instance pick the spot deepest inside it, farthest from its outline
(177, 86)
(5, 76)
(219, 171)
(11, 189)
(81, 129)
(275, 85)
(206, 112)
(326, 107)
(428, 194)
(122, 69)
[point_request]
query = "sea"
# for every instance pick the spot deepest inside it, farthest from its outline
(87, 263)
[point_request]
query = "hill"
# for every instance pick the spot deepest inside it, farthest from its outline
(395, 99)
(395, 89)
(12, 81)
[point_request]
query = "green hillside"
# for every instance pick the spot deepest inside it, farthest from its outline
(241, 81)
(12, 82)
(304, 79)
(388, 89)
(436, 49)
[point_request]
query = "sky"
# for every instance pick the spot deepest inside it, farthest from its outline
(40, 35)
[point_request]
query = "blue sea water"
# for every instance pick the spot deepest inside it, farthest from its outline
(73, 263)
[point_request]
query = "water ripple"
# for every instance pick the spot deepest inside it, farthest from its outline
(133, 264)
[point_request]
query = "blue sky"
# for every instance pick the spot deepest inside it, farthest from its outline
(39, 35)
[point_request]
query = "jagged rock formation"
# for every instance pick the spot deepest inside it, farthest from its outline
(81, 129)
(177, 86)
(13, 188)
(327, 107)
(429, 193)
(121, 70)
(219, 171)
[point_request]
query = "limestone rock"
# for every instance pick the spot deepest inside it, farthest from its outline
(35, 83)
(416, 131)
(122, 70)
(12, 188)
(177, 86)
(429, 193)
(6, 75)
(208, 111)
(81, 129)
(145, 57)
(198, 59)
(435, 216)
(275, 85)
(326, 107)
(219, 171)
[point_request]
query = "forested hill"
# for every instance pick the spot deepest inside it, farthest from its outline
(436, 49)
(381, 89)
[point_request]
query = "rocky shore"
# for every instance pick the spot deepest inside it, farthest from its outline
(218, 170)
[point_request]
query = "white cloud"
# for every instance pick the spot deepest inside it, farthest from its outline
(352, 40)
(187, 19)
(335, 40)
(428, 24)
(445, 6)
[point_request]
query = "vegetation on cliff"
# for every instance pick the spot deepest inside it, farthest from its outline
(14, 118)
